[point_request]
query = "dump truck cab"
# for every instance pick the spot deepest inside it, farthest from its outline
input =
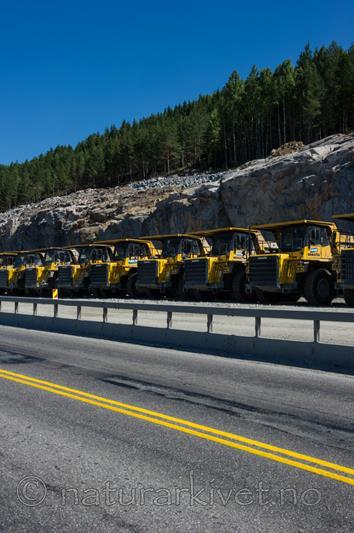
(42, 276)
(345, 266)
(165, 272)
(302, 265)
(75, 277)
(119, 273)
(225, 269)
(7, 260)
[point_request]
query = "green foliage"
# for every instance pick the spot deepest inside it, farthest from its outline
(243, 121)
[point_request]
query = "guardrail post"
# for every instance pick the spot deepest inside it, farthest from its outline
(78, 312)
(35, 309)
(56, 306)
(169, 319)
(258, 326)
(16, 308)
(135, 317)
(316, 331)
(210, 323)
(105, 312)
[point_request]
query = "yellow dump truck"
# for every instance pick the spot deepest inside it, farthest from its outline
(303, 266)
(24, 262)
(7, 270)
(165, 273)
(75, 277)
(41, 276)
(119, 274)
(345, 267)
(225, 270)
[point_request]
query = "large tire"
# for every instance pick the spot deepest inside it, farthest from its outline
(238, 286)
(132, 290)
(349, 297)
(319, 287)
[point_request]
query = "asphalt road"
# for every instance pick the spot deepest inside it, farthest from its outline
(193, 442)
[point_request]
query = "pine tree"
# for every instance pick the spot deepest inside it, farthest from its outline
(242, 121)
(284, 78)
(309, 95)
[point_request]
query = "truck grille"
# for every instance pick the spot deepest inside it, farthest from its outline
(347, 267)
(99, 275)
(31, 278)
(264, 271)
(4, 279)
(196, 272)
(65, 277)
(147, 272)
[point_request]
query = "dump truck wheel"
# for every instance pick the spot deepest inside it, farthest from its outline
(132, 291)
(319, 287)
(238, 290)
(349, 297)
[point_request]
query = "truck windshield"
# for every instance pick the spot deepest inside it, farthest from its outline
(227, 242)
(221, 244)
(94, 254)
(170, 247)
(33, 260)
(84, 255)
(6, 260)
(270, 241)
(57, 256)
(19, 261)
(99, 254)
(121, 251)
(129, 249)
(294, 238)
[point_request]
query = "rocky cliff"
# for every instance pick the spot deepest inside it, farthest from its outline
(312, 181)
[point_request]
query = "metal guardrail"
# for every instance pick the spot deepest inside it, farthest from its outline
(256, 312)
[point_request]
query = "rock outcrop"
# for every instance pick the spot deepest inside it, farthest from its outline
(314, 181)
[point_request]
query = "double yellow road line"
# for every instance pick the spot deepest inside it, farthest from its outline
(261, 449)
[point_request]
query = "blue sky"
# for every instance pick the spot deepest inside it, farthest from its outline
(72, 67)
